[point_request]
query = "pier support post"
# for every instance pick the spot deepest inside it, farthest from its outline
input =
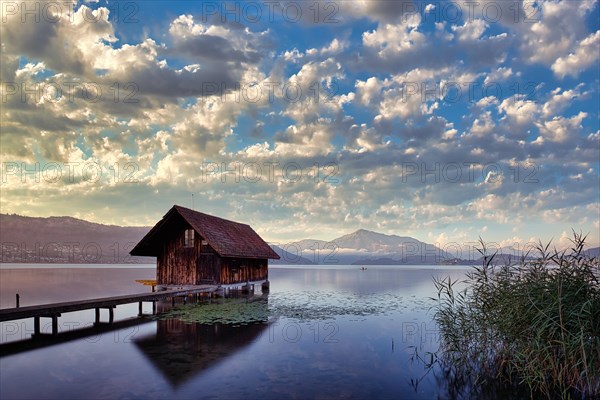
(141, 309)
(54, 325)
(111, 314)
(265, 286)
(37, 329)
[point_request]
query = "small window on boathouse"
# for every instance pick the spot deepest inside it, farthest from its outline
(189, 238)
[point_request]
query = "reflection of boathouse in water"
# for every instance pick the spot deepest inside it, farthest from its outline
(182, 350)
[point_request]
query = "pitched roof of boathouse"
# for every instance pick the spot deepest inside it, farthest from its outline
(227, 238)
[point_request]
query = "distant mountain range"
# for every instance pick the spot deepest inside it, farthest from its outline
(67, 240)
(72, 240)
(367, 247)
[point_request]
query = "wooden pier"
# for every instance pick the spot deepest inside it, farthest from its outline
(54, 310)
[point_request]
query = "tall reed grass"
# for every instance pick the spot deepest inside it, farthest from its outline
(532, 324)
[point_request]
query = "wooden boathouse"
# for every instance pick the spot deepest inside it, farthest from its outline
(193, 248)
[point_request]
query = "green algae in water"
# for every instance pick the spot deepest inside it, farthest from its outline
(236, 312)
(302, 306)
(310, 305)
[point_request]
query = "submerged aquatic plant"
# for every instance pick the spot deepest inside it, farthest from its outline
(301, 306)
(233, 311)
(535, 323)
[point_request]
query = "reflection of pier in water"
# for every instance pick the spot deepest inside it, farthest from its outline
(92, 332)
(182, 350)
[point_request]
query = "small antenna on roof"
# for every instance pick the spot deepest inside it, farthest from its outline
(193, 201)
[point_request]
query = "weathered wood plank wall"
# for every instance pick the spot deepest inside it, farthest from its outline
(200, 264)
(176, 265)
(243, 270)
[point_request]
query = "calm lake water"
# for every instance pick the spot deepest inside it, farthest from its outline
(321, 332)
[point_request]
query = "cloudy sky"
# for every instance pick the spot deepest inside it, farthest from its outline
(439, 120)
